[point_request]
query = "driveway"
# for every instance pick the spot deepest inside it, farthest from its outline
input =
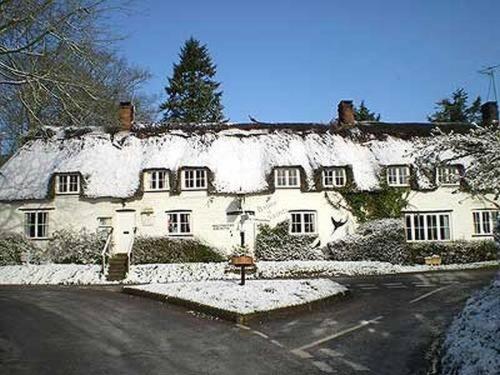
(386, 327)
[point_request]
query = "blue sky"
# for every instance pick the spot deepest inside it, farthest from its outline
(294, 60)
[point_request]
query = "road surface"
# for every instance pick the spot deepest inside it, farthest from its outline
(387, 326)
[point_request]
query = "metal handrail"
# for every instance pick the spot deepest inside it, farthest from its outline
(129, 251)
(105, 250)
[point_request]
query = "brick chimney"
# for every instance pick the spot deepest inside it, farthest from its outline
(346, 113)
(126, 115)
(489, 111)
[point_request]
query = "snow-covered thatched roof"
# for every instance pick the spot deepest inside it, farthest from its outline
(240, 158)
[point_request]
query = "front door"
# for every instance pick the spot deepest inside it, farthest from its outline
(124, 230)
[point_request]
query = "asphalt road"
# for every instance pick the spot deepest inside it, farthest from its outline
(387, 326)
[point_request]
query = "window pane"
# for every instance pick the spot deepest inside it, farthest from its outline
(391, 176)
(296, 223)
(173, 226)
(63, 184)
(444, 224)
(292, 177)
(184, 223)
(328, 177)
(432, 230)
(30, 224)
(477, 222)
(408, 228)
(418, 221)
(486, 222)
(309, 223)
(339, 177)
(73, 183)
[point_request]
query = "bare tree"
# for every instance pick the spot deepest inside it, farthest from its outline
(57, 65)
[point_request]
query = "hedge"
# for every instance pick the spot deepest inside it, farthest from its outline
(384, 240)
(172, 250)
(278, 244)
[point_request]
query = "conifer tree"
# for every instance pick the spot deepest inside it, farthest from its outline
(456, 109)
(193, 94)
(362, 113)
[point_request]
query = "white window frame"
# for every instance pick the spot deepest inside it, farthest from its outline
(334, 177)
(287, 177)
(430, 226)
(304, 228)
(484, 226)
(68, 184)
(178, 229)
(448, 175)
(398, 175)
(156, 180)
(41, 230)
(197, 177)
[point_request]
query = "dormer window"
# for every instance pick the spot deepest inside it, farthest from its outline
(156, 180)
(194, 179)
(448, 175)
(68, 183)
(398, 176)
(286, 177)
(334, 177)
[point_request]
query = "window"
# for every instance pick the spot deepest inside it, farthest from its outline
(36, 224)
(334, 177)
(156, 180)
(194, 179)
(179, 223)
(484, 221)
(427, 227)
(68, 184)
(398, 176)
(303, 222)
(449, 175)
(286, 177)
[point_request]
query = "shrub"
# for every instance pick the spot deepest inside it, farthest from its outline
(13, 246)
(277, 244)
(377, 240)
(384, 240)
(453, 252)
(169, 250)
(79, 247)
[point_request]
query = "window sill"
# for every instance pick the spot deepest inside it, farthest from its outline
(39, 238)
(156, 191)
(287, 187)
(482, 235)
(180, 235)
(194, 189)
(66, 194)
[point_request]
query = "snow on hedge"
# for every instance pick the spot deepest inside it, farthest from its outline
(255, 296)
(54, 274)
(101, 159)
(472, 345)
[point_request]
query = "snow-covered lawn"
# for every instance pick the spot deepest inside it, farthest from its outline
(168, 273)
(472, 345)
(253, 297)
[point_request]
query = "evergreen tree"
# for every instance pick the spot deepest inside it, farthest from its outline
(362, 113)
(193, 95)
(456, 109)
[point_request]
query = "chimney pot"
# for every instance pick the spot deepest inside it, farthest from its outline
(489, 112)
(346, 113)
(126, 115)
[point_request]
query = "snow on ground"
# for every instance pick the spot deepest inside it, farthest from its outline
(472, 345)
(54, 274)
(255, 296)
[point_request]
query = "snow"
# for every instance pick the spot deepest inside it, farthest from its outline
(472, 345)
(255, 296)
(55, 274)
(101, 159)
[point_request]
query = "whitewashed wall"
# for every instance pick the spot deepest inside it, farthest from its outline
(210, 222)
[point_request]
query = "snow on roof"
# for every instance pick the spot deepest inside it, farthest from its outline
(240, 159)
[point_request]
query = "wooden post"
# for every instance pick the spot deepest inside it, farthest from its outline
(242, 275)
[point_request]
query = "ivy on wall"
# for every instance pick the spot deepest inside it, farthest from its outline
(386, 203)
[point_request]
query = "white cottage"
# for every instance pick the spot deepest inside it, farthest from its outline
(217, 183)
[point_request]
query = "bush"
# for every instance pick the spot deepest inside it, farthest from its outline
(378, 240)
(453, 252)
(277, 244)
(169, 250)
(384, 240)
(70, 246)
(13, 246)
